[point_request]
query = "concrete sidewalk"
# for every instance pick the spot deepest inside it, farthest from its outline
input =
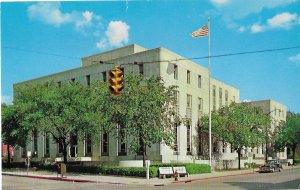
(75, 177)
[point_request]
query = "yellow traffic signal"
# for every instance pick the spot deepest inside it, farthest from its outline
(116, 80)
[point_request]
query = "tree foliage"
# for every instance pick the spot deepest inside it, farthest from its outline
(238, 124)
(146, 110)
(62, 111)
(13, 134)
(288, 134)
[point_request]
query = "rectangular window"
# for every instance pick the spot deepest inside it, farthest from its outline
(141, 69)
(189, 101)
(88, 145)
(189, 106)
(35, 144)
(177, 101)
(226, 97)
(223, 146)
(59, 148)
(220, 97)
(88, 80)
(24, 152)
(199, 81)
(122, 146)
(104, 76)
(105, 144)
(214, 98)
(73, 80)
(47, 145)
(175, 137)
(200, 107)
(59, 83)
(188, 138)
(175, 72)
(188, 77)
(73, 145)
(201, 139)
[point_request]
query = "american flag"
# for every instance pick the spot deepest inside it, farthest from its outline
(203, 31)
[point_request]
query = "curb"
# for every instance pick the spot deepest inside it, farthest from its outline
(206, 178)
(60, 179)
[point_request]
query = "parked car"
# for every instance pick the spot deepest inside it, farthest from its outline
(271, 166)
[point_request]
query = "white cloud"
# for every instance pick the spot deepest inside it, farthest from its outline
(241, 29)
(233, 11)
(117, 33)
(257, 28)
(102, 44)
(283, 20)
(7, 100)
(50, 13)
(219, 2)
(295, 58)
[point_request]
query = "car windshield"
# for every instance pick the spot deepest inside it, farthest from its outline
(271, 162)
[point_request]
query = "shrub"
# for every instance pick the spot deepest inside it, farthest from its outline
(191, 168)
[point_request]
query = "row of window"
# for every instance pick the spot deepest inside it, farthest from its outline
(104, 76)
(122, 145)
(188, 76)
(279, 112)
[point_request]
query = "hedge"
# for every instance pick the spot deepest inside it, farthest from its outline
(108, 169)
(191, 168)
(100, 169)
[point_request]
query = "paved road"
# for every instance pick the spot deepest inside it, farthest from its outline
(288, 179)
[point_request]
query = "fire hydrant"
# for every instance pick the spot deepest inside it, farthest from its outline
(176, 175)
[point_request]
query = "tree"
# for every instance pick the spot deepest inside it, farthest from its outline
(288, 135)
(13, 134)
(146, 110)
(62, 111)
(238, 124)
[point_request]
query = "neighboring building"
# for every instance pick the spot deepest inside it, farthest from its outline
(277, 113)
(191, 79)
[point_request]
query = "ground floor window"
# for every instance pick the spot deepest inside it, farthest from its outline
(88, 145)
(105, 144)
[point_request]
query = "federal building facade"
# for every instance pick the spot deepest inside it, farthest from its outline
(192, 80)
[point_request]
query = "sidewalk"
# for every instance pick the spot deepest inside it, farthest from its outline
(74, 177)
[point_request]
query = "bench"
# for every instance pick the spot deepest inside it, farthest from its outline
(165, 171)
(181, 171)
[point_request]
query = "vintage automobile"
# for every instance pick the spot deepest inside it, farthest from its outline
(271, 166)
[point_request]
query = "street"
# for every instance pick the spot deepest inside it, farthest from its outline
(288, 179)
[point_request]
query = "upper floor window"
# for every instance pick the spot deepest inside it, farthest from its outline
(141, 69)
(175, 72)
(220, 97)
(199, 81)
(104, 76)
(226, 97)
(88, 79)
(188, 77)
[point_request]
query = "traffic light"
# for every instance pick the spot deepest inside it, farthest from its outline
(116, 80)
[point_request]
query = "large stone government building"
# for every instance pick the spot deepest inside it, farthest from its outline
(193, 99)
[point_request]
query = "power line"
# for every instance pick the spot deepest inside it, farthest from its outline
(40, 52)
(155, 61)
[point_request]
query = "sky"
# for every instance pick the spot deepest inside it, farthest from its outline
(42, 38)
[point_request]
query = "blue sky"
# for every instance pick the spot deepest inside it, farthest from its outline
(40, 38)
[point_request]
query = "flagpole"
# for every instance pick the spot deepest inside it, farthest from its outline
(209, 105)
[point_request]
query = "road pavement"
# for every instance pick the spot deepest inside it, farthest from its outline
(288, 179)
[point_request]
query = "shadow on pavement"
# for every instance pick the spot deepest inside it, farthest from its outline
(293, 184)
